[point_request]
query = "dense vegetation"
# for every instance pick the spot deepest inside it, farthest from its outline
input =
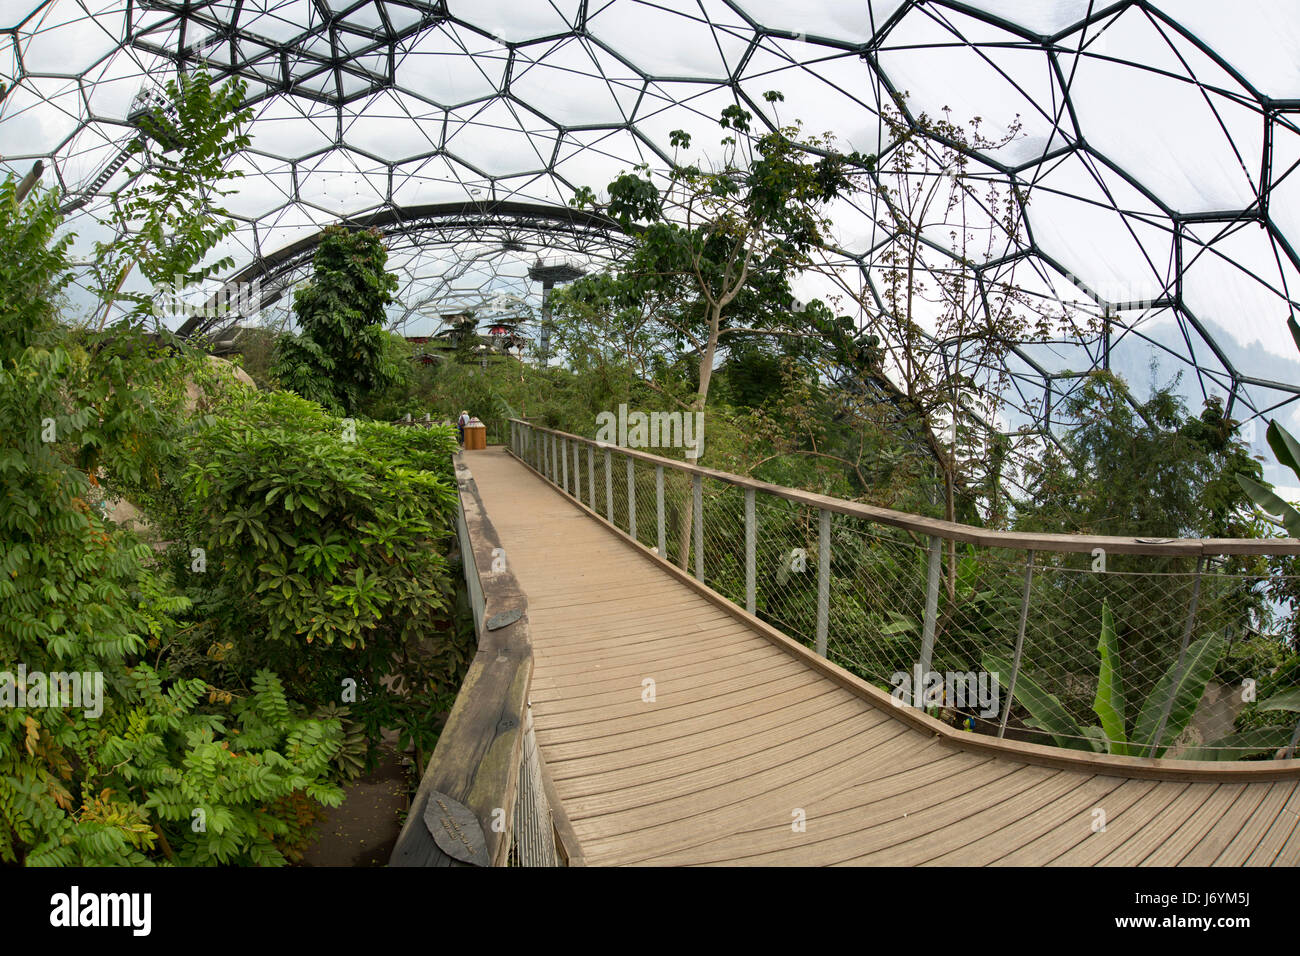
(337, 358)
(288, 595)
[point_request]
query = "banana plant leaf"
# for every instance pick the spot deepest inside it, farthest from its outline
(1097, 738)
(1186, 690)
(1248, 743)
(1287, 700)
(1271, 504)
(900, 625)
(1109, 702)
(1044, 708)
(1284, 446)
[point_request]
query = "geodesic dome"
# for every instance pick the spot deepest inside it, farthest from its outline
(1146, 152)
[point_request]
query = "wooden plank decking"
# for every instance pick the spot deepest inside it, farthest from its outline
(742, 736)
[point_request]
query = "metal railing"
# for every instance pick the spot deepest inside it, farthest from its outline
(903, 600)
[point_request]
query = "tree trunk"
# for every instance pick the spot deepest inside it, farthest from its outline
(686, 518)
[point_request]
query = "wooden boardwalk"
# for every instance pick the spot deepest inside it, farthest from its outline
(744, 738)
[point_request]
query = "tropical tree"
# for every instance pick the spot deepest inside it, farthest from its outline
(1140, 468)
(714, 252)
(339, 355)
(714, 248)
(166, 215)
(944, 320)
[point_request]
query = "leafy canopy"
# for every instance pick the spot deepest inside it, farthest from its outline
(166, 213)
(714, 250)
(340, 355)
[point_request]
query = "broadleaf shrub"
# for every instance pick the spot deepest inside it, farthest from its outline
(326, 541)
(168, 766)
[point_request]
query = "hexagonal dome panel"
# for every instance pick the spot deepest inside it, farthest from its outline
(1134, 164)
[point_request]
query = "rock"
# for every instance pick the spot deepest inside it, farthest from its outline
(195, 395)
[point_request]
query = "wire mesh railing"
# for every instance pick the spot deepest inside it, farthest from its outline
(1030, 637)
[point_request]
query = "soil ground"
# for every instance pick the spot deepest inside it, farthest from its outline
(363, 829)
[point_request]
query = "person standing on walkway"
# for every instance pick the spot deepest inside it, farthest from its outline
(460, 425)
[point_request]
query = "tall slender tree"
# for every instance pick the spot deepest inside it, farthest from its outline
(715, 250)
(338, 357)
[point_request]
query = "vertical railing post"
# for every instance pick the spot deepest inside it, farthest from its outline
(591, 475)
(564, 459)
(698, 487)
(555, 459)
(659, 511)
(577, 472)
(751, 541)
(1182, 655)
(1020, 642)
(931, 609)
(823, 579)
(609, 486)
(631, 497)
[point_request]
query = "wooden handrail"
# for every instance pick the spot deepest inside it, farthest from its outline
(955, 531)
(476, 761)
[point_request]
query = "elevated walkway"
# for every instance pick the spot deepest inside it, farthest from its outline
(677, 729)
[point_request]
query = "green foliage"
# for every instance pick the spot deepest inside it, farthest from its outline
(1287, 451)
(1265, 726)
(1152, 469)
(714, 252)
(1185, 687)
(1178, 691)
(1045, 708)
(120, 787)
(326, 555)
(165, 214)
(1140, 469)
(254, 349)
(1109, 702)
(341, 353)
(401, 379)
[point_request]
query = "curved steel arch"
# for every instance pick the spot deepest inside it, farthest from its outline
(579, 230)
